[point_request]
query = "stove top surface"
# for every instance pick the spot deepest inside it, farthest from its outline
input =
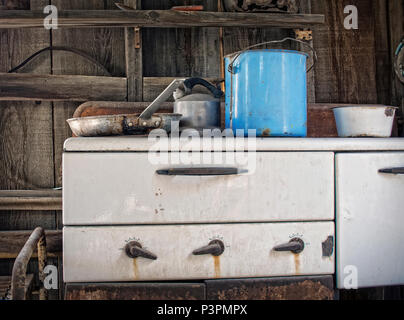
(145, 144)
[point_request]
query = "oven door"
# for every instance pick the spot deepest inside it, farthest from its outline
(370, 219)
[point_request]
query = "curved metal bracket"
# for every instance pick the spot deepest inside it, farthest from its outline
(37, 238)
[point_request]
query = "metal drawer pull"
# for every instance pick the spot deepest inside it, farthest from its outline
(295, 245)
(200, 171)
(392, 170)
(134, 250)
(215, 248)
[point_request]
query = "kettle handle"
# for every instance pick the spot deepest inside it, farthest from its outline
(190, 83)
(238, 54)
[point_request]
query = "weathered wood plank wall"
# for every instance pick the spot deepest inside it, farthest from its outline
(346, 71)
(26, 134)
(354, 67)
(395, 24)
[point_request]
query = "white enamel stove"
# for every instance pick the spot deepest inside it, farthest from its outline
(305, 207)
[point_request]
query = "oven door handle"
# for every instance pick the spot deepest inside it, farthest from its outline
(392, 170)
(200, 172)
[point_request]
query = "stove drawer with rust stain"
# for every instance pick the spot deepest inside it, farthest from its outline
(191, 252)
(131, 188)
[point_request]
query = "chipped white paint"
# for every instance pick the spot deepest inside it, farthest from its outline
(294, 181)
(370, 218)
(94, 254)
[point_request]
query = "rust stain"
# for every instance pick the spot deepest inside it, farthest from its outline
(328, 247)
(274, 290)
(266, 132)
(135, 269)
(216, 261)
(297, 263)
(306, 290)
(389, 112)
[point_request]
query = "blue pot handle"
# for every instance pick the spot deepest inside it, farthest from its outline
(238, 54)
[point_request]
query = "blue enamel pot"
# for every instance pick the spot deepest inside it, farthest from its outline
(266, 91)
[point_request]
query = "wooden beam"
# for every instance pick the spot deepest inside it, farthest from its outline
(157, 18)
(15, 86)
(11, 243)
(48, 200)
(134, 58)
(305, 7)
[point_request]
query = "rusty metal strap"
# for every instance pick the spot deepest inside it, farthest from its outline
(37, 238)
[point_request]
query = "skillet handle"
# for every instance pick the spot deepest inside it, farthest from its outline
(163, 97)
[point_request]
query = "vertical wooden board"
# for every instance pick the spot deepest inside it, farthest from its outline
(305, 7)
(106, 45)
(396, 31)
(26, 145)
(26, 141)
(61, 112)
(205, 52)
(164, 49)
(180, 52)
(236, 39)
(205, 46)
(382, 52)
(324, 42)
(346, 71)
(134, 58)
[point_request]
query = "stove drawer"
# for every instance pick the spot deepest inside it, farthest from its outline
(124, 188)
(105, 254)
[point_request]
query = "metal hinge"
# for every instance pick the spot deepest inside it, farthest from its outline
(304, 34)
(138, 42)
